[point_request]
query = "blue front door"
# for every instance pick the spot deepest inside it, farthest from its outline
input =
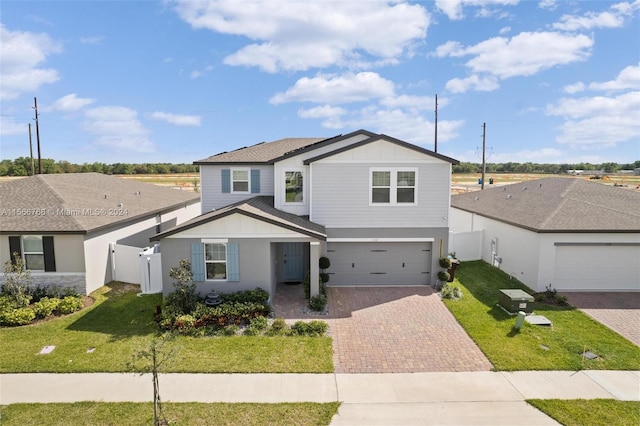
(293, 256)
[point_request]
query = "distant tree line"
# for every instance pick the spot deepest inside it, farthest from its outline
(542, 168)
(22, 167)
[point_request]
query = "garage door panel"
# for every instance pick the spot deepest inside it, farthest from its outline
(597, 267)
(379, 263)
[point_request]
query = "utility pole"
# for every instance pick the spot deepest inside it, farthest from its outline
(33, 167)
(35, 107)
(436, 127)
(484, 164)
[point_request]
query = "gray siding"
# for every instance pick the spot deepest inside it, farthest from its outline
(254, 258)
(340, 197)
(211, 186)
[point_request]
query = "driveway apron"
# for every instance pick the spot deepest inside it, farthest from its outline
(388, 330)
(620, 311)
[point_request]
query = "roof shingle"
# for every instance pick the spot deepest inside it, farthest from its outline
(557, 205)
(81, 202)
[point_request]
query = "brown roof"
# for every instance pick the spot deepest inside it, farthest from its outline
(82, 202)
(557, 205)
(261, 208)
(263, 152)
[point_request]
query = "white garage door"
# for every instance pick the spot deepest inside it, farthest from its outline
(597, 267)
(379, 263)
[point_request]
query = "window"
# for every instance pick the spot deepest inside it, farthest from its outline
(215, 259)
(240, 180)
(293, 187)
(33, 252)
(393, 186)
(37, 251)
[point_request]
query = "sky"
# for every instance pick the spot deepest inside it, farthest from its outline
(555, 81)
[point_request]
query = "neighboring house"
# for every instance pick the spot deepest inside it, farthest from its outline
(376, 206)
(568, 233)
(62, 224)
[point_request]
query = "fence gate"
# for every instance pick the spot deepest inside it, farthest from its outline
(150, 265)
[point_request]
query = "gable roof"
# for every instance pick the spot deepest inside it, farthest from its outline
(82, 202)
(260, 208)
(373, 138)
(558, 204)
(262, 153)
(271, 152)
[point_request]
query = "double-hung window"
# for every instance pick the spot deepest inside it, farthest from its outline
(33, 251)
(215, 258)
(240, 180)
(294, 187)
(393, 186)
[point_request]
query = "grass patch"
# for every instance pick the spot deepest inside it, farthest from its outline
(120, 323)
(103, 413)
(593, 412)
(559, 347)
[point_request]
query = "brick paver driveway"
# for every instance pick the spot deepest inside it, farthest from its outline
(389, 330)
(619, 311)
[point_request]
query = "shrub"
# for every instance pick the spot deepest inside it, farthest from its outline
(279, 327)
(318, 302)
(231, 330)
(14, 317)
(306, 283)
(45, 307)
(17, 280)
(260, 323)
(69, 304)
(445, 262)
(38, 293)
(257, 295)
(184, 298)
(324, 262)
(443, 276)
(314, 328)
(451, 292)
(324, 277)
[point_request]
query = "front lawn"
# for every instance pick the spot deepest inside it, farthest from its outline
(592, 412)
(559, 347)
(103, 337)
(128, 413)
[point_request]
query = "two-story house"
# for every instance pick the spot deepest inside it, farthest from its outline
(376, 206)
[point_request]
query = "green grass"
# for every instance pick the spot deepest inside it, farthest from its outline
(572, 331)
(120, 324)
(592, 412)
(102, 413)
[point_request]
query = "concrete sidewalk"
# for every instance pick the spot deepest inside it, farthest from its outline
(404, 398)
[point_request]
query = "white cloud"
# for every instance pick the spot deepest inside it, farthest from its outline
(574, 88)
(295, 36)
(118, 127)
(613, 18)
(331, 89)
(22, 53)
(522, 55)
(548, 4)
(454, 8)
(199, 73)
(473, 82)
(505, 30)
(324, 111)
(69, 103)
(628, 78)
(9, 127)
(414, 102)
(177, 119)
(598, 122)
(92, 40)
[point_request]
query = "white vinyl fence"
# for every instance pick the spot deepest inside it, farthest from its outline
(466, 245)
(136, 265)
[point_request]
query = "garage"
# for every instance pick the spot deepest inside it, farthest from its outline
(597, 267)
(379, 263)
